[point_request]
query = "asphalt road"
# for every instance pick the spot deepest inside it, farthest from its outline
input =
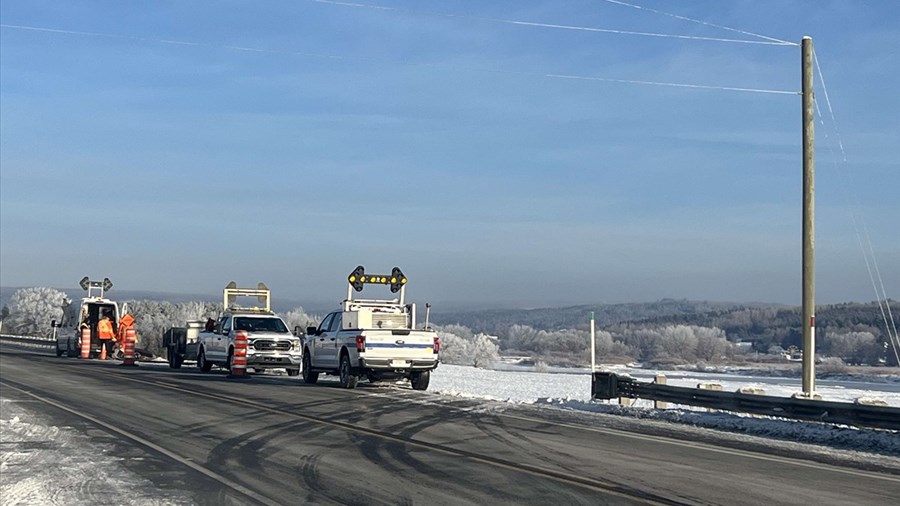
(275, 440)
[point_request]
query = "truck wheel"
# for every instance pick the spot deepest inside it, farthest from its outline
(419, 380)
(73, 351)
(309, 376)
(59, 352)
(202, 363)
(175, 359)
(293, 372)
(348, 380)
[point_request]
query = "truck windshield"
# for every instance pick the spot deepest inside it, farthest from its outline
(260, 325)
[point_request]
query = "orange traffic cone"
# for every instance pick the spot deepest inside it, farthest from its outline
(129, 347)
(239, 356)
(86, 343)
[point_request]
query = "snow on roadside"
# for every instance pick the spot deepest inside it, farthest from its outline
(572, 392)
(44, 464)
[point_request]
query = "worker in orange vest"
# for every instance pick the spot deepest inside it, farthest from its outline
(127, 322)
(106, 334)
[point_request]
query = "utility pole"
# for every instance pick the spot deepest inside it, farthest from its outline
(809, 233)
(593, 345)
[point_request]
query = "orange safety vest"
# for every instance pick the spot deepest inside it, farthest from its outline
(127, 322)
(105, 330)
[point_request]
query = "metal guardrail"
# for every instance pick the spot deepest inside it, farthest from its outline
(611, 386)
(34, 341)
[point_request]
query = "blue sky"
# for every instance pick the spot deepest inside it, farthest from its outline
(177, 145)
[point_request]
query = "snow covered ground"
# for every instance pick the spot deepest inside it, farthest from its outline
(522, 385)
(571, 392)
(43, 464)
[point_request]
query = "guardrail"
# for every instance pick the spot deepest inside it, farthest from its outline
(33, 341)
(610, 386)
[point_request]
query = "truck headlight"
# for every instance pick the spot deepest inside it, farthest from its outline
(295, 345)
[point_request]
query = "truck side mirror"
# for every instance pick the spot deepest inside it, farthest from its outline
(298, 331)
(310, 331)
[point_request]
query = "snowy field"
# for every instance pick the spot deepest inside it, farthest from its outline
(526, 386)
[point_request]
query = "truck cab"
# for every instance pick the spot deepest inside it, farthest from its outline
(271, 345)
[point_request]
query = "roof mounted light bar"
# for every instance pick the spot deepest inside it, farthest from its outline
(358, 279)
(261, 292)
(88, 284)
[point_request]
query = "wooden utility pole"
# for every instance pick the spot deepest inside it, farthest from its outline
(593, 346)
(809, 233)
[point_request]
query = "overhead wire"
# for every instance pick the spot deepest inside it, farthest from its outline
(705, 23)
(769, 42)
(867, 249)
(358, 59)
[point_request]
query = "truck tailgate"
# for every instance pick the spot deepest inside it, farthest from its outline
(399, 344)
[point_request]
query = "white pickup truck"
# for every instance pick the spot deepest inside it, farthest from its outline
(376, 339)
(270, 344)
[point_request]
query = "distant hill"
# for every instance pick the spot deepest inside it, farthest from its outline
(577, 317)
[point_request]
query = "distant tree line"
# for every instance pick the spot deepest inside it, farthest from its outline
(665, 332)
(672, 331)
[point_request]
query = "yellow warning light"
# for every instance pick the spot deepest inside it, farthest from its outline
(358, 278)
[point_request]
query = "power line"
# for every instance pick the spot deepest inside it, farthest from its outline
(705, 23)
(769, 42)
(678, 85)
(414, 64)
(881, 297)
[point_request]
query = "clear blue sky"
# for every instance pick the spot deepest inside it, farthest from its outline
(177, 145)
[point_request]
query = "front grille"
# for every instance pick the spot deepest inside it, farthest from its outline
(270, 345)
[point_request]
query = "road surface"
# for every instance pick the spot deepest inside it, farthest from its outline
(275, 440)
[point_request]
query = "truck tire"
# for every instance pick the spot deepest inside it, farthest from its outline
(73, 351)
(348, 380)
(419, 380)
(175, 359)
(59, 352)
(202, 363)
(309, 376)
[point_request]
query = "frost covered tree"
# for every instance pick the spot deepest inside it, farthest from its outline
(455, 349)
(153, 318)
(298, 317)
(34, 308)
(854, 347)
(679, 341)
(460, 346)
(486, 351)
(711, 343)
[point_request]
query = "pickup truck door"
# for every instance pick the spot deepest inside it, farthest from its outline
(325, 354)
(215, 350)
